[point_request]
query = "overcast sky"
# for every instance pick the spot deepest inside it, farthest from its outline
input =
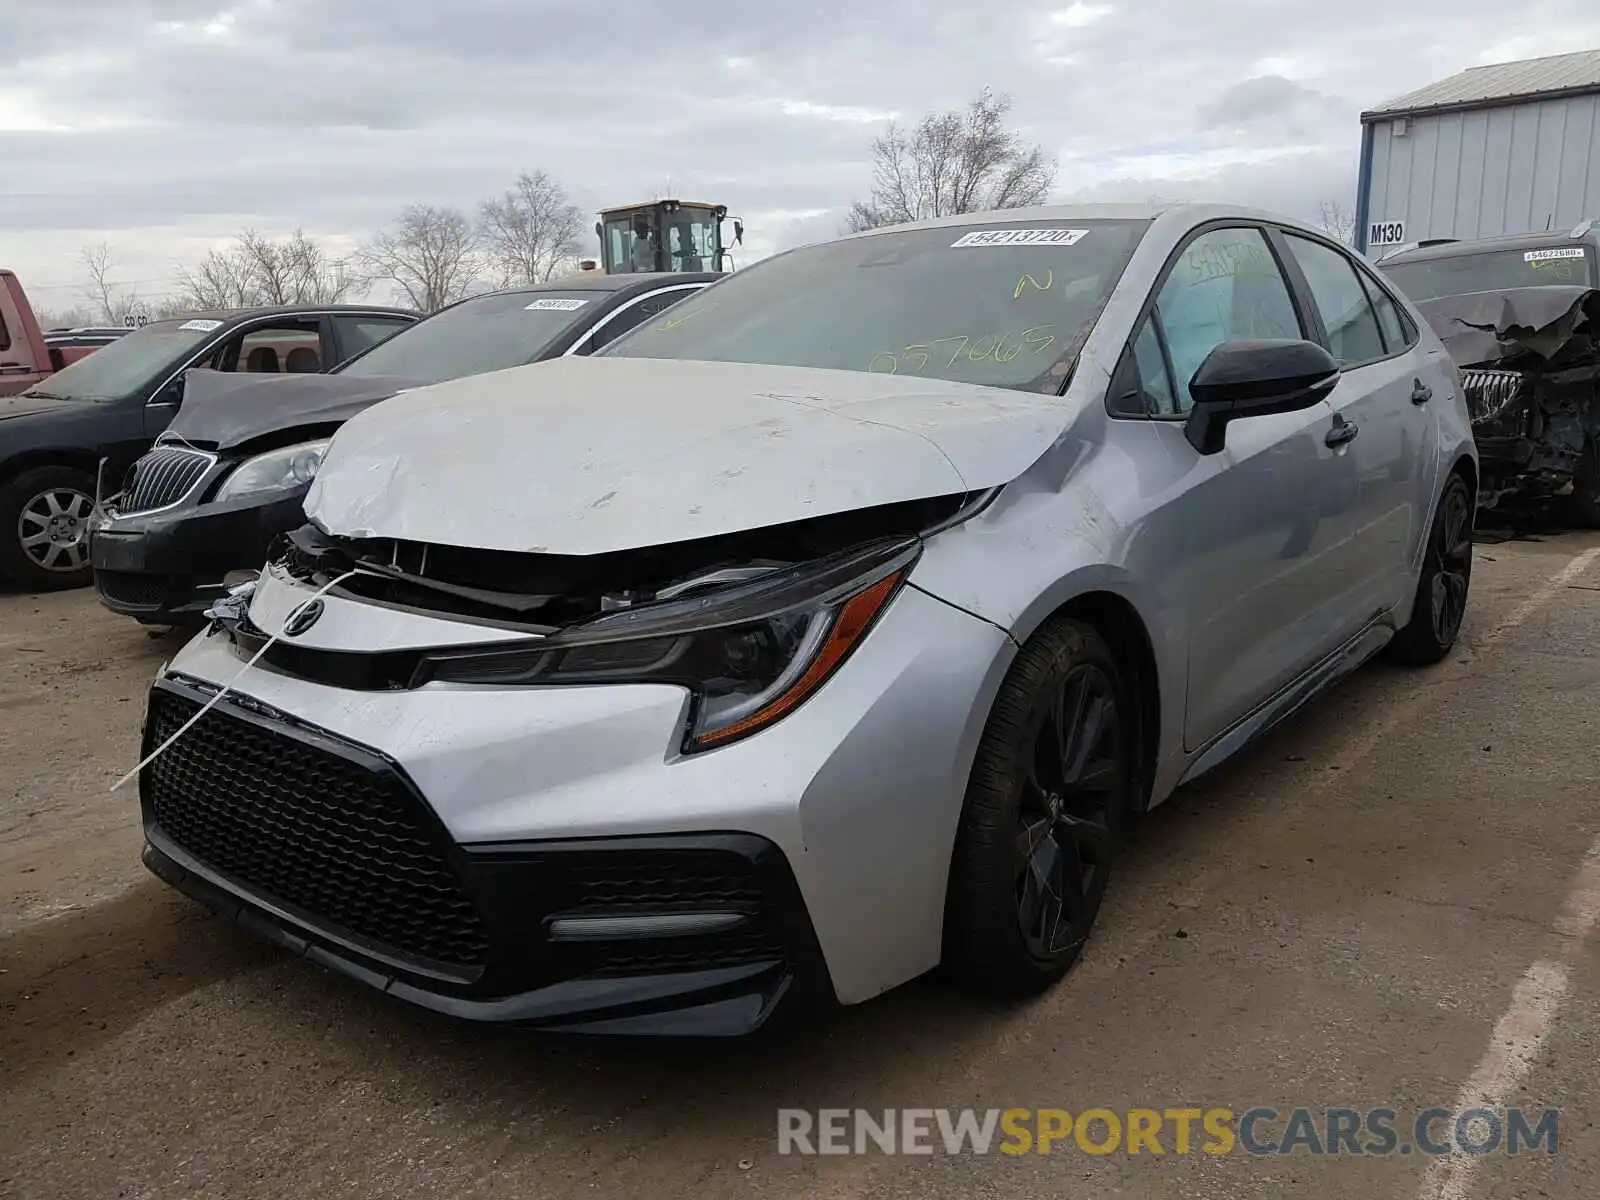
(163, 126)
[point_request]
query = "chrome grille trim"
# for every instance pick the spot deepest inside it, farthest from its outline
(164, 478)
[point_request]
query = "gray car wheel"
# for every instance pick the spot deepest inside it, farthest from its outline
(44, 528)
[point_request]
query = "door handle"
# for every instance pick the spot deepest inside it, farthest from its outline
(1421, 393)
(1342, 433)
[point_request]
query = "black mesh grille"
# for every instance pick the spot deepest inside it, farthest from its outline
(132, 589)
(164, 476)
(309, 829)
(620, 882)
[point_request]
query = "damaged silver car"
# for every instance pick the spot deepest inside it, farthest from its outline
(837, 623)
(1520, 315)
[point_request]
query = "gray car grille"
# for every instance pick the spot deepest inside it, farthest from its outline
(163, 477)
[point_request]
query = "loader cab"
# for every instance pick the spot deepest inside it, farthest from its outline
(665, 235)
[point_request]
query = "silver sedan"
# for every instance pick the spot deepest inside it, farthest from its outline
(837, 623)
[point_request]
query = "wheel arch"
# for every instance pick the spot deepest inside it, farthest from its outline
(1119, 622)
(32, 459)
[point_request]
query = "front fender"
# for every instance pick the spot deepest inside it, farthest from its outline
(1030, 553)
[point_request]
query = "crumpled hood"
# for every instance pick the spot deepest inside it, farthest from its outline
(590, 455)
(223, 410)
(1482, 329)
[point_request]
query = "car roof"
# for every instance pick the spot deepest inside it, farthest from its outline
(232, 316)
(595, 282)
(1089, 212)
(1455, 248)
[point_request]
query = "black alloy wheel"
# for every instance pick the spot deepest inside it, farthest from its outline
(1445, 581)
(1053, 792)
(1064, 840)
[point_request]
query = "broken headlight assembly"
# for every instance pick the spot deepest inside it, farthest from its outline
(748, 653)
(274, 471)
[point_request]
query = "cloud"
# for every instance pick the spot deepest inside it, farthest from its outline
(164, 126)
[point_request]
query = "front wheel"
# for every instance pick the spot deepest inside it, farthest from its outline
(1585, 499)
(1441, 599)
(44, 528)
(1052, 793)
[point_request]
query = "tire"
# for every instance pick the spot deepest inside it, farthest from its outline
(1585, 499)
(1446, 579)
(28, 505)
(1005, 935)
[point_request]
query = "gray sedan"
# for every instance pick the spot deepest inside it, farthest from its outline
(837, 623)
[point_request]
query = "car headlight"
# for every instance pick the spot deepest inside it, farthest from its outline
(275, 471)
(749, 654)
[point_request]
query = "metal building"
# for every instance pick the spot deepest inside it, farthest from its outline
(1509, 148)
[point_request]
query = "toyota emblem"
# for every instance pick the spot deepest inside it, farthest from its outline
(303, 618)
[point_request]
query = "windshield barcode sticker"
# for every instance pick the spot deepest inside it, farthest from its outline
(202, 326)
(1021, 237)
(1548, 255)
(555, 304)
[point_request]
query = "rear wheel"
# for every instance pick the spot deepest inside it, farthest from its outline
(1049, 803)
(1441, 600)
(44, 528)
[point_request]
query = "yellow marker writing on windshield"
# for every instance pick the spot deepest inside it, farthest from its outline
(1022, 284)
(998, 347)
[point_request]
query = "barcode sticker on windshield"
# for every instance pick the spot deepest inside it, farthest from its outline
(201, 326)
(1021, 237)
(555, 304)
(1547, 255)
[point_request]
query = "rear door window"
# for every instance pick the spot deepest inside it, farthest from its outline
(636, 314)
(1347, 313)
(361, 333)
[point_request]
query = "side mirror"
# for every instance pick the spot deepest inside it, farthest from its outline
(1255, 379)
(738, 232)
(171, 394)
(599, 231)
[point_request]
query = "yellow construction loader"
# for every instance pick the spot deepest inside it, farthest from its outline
(663, 235)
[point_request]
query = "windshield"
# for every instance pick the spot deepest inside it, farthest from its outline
(489, 333)
(1001, 305)
(131, 362)
(1428, 279)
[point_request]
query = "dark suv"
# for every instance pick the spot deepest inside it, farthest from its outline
(1450, 267)
(1520, 315)
(82, 427)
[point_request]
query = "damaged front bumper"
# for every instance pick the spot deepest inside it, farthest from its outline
(551, 855)
(1530, 371)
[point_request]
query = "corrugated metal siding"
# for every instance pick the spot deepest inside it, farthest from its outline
(1502, 81)
(1516, 169)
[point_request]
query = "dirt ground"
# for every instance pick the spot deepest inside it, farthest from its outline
(1389, 902)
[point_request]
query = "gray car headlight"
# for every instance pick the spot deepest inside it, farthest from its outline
(275, 471)
(748, 654)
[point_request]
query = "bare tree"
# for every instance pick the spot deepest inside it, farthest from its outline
(532, 229)
(1336, 222)
(430, 256)
(111, 301)
(222, 279)
(961, 161)
(295, 269)
(67, 318)
(256, 269)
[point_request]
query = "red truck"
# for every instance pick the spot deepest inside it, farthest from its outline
(27, 353)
